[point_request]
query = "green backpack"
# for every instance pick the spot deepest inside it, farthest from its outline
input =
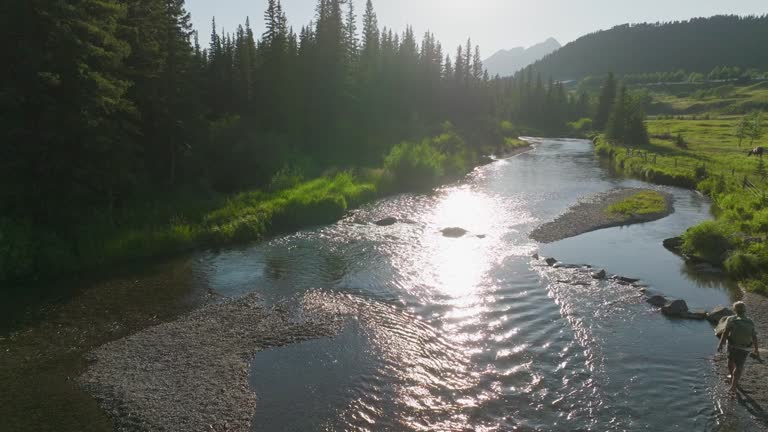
(742, 330)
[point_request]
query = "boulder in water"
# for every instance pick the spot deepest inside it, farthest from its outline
(657, 300)
(718, 313)
(454, 232)
(550, 261)
(676, 308)
(598, 274)
(386, 222)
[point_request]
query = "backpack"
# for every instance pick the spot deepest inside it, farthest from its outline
(742, 330)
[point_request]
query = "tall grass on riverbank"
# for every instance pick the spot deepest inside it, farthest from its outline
(713, 163)
(208, 222)
(167, 225)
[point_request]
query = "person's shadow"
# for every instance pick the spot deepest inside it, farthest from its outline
(751, 405)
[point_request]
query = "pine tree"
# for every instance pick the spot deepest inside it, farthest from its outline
(371, 39)
(605, 102)
(477, 65)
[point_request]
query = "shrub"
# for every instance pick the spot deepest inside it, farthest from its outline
(709, 240)
(583, 125)
(286, 178)
(743, 265)
(759, 286)
(414, 165)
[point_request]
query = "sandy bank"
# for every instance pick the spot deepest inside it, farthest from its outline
(590, 215)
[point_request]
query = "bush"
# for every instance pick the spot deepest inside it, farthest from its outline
(583, 125)
(286, 178)
(415, 166)
(709, 240)
(759, 286)
(743, 265)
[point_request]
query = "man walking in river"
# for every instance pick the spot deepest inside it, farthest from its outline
(742, 338)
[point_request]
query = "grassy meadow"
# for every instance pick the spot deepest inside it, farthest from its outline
(713, 99)
(702, 152)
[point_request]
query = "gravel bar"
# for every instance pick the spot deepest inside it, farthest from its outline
(590, 215)
(192, 374)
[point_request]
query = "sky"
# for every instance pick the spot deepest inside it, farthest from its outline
(492, 24)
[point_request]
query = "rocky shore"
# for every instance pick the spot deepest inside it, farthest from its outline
(754, 384)
(192, 374)
(591, 214)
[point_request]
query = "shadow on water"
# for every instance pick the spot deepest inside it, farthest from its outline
(44, 340)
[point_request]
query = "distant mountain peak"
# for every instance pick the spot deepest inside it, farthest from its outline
(507, 62)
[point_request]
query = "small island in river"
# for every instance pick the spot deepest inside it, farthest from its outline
(618, 207)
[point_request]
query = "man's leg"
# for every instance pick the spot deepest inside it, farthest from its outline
(736, 377)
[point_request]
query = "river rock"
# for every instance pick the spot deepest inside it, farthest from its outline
(674, 244)
(550, 261)
(481, 236)
(657, 300)
(454, 232)
(696, 315)
(535, 256)
(718, 313)
(558, 265)
(676, 308)
(625, 280)
(598, 274)
(386, 222)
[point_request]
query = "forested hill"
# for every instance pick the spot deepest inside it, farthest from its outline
(123, 130)
(697, 45)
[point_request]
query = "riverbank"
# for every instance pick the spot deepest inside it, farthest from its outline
(753, 394)
(619, 207)
(708, 158)
(712, 163)
(161, 228)
(192, 374)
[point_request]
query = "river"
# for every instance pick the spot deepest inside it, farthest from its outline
(452, 334)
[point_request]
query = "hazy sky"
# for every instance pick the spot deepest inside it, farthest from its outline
(493, 24)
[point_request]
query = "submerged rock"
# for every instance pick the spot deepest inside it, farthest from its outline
(696, 315)
(674, 244)
(718, 313)
(386, 222)
(625, 280)
(676, 308)
(454, 232)
(657, 300)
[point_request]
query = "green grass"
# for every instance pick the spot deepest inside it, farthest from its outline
(210, 222)
(639, 204)
(166, 225)
(720, 99)
(715, 164)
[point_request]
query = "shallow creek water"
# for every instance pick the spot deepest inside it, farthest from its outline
(471, 334)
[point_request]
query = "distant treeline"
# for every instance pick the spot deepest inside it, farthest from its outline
(719, 73)
(699, 44)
